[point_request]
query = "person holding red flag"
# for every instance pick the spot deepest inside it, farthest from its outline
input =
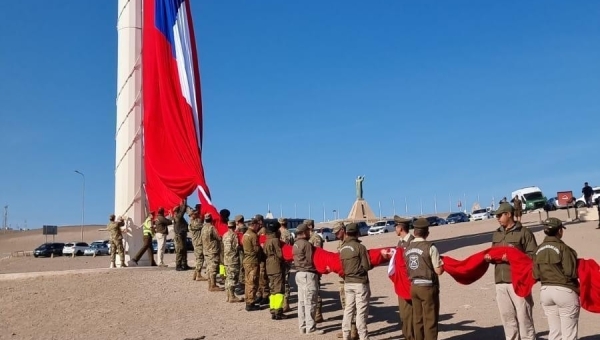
(555, 266)
(515, 311)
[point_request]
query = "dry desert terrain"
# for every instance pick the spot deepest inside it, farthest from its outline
(79, 298)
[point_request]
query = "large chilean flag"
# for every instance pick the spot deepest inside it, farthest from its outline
(172, 106)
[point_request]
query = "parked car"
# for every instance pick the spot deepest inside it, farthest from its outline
(110, 248)
(106, 242)
(554, 204)
(457, 217)
(480, 215)
(381, 227)
(580, 203)
(363, 228)
(47, 249)
(326, 234)
(170, 246)
(77, 248)
(434, 220)
(96, 249)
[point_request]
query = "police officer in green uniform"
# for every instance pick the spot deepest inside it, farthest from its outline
(424, 265)
(405, 306)
(316, 241)
(356, 265)
(555, 266)
(339, 230)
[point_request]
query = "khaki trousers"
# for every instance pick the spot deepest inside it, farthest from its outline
(426, 311)
(160, 251)
(357, 297)
(251, 282)
(515, 312)
(406, 316)
(307, 301)
(561, 306)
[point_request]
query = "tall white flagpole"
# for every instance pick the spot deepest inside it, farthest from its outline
(130, 196)
(394, 206)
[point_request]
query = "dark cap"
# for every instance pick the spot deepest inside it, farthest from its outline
(301, 228)
(273, 227)
(504, 208)
(309, 223)
(421, 223)
(259, 217)
(239, 218)
(338, 226)
(352, 228)
(553, 223)
(401, 220)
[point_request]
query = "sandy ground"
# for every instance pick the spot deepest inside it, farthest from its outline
(78, 298)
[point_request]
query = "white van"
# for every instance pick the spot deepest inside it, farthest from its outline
(531, 197)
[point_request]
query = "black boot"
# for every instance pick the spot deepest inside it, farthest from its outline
(251, 307)
(279, 314)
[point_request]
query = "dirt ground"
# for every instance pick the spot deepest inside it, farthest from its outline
(79, 298)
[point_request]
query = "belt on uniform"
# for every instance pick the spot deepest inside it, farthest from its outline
(422, 283)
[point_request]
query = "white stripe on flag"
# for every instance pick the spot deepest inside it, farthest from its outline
(392, 265)
(185, 63)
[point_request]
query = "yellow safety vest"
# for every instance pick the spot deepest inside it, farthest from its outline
(148, 227)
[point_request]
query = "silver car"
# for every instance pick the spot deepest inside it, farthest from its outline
(96, 249)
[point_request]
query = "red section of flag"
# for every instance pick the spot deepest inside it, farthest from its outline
(474, 267)
(172, 156)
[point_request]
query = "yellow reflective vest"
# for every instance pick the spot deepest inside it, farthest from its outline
(148, 227)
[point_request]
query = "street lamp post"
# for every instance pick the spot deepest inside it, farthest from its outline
(82, 203)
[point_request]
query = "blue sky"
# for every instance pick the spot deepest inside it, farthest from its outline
(425, 98)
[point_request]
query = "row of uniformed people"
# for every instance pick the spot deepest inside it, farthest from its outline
(555, 266)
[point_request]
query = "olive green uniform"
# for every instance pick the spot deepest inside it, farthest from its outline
(211, 243)
(231, 260)
(251, 254)
(555, 266)
(356, 266)
(317, 242)
(196, 225)
(286, 238)
(180, 226)
(515, 312)
(405, 306)
(421, 258)
(274, 267)
(116, 241)
(263, 278)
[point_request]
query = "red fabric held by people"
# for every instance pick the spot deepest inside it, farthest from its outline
(474, 267)
(589, 284)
